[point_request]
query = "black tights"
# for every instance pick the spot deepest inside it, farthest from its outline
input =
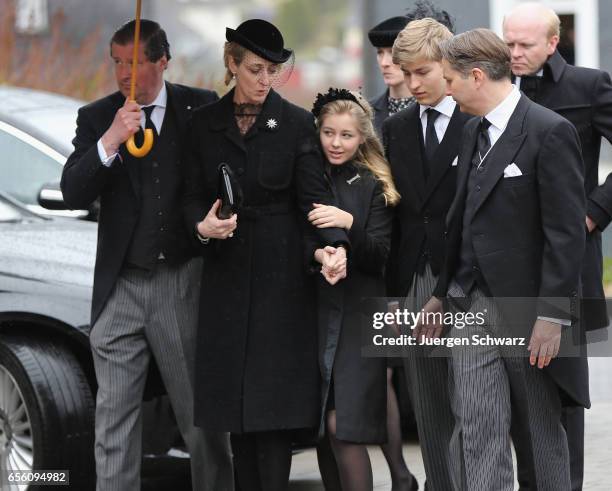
(344, 465)
(329, 464)
(401, 478)
(262, 460)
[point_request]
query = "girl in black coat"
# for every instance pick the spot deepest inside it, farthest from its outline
(354, 387)
(256, 359)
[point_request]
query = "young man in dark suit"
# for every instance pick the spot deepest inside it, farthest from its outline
(421, 145)
(584, 97)
(145, 296)
(515, 228)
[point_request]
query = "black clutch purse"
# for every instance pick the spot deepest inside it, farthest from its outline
(229, 192)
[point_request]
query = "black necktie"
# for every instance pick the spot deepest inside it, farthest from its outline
(484, 142)
(530, 84)
(139, 136)
(431, 138)
(148, 122)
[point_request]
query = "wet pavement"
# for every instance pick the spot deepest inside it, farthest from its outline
(598, 444)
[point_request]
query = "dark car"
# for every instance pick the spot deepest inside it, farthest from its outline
(47, 382)
(46, 377)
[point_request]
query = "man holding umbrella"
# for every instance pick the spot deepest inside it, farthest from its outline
(146, 285)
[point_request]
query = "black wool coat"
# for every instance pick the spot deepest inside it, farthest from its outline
(256, 358)
(419, 221)
(345, 311)
(528, 230)
(584, 97)
(84, 179)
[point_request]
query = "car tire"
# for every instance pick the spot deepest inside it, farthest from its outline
(58, 422)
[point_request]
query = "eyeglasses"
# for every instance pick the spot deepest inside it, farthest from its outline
(265, 73)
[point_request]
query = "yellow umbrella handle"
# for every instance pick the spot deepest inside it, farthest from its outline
(146, 145)
(148, 133)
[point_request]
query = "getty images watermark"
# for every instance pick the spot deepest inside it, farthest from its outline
(404, 320)
(391, 328)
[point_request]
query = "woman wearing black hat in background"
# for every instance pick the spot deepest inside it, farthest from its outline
(397, 96)
(256, 368)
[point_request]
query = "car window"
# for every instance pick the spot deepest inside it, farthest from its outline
(24, 166)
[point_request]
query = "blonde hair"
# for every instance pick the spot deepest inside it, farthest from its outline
(235, 51)
(537, 10)
(552, 22)
(370, 152)
(420, 39)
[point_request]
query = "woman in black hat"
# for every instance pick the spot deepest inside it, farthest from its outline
(397, 96)
(256, 369)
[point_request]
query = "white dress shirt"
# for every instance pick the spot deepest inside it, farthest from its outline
(157, 118)
(445, 107)
(500, 116)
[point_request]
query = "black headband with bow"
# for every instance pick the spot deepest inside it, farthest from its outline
(333, 95)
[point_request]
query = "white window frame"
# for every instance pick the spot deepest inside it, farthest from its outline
(586, 24)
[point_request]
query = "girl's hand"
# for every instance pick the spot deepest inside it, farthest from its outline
(326, 216)
(333, 263)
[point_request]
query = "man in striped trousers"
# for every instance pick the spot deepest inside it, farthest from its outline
(146, 284)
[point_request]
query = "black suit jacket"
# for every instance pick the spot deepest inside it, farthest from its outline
(421, 213)
(85, 179)
(527, 230)
(584, 97)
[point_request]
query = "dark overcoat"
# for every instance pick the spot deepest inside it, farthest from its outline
(584, 97)
(256, 358)
(526, 234)
(380, 105)
(85, 179)
(346, 309)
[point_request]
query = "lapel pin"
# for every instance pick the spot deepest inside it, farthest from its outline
(271, 123)
(352, 179)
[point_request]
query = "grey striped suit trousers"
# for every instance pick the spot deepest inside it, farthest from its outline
(150, 314)
(427, 378)
(484, 381)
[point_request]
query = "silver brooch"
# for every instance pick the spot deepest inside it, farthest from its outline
(352, 179)
(271, 123)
